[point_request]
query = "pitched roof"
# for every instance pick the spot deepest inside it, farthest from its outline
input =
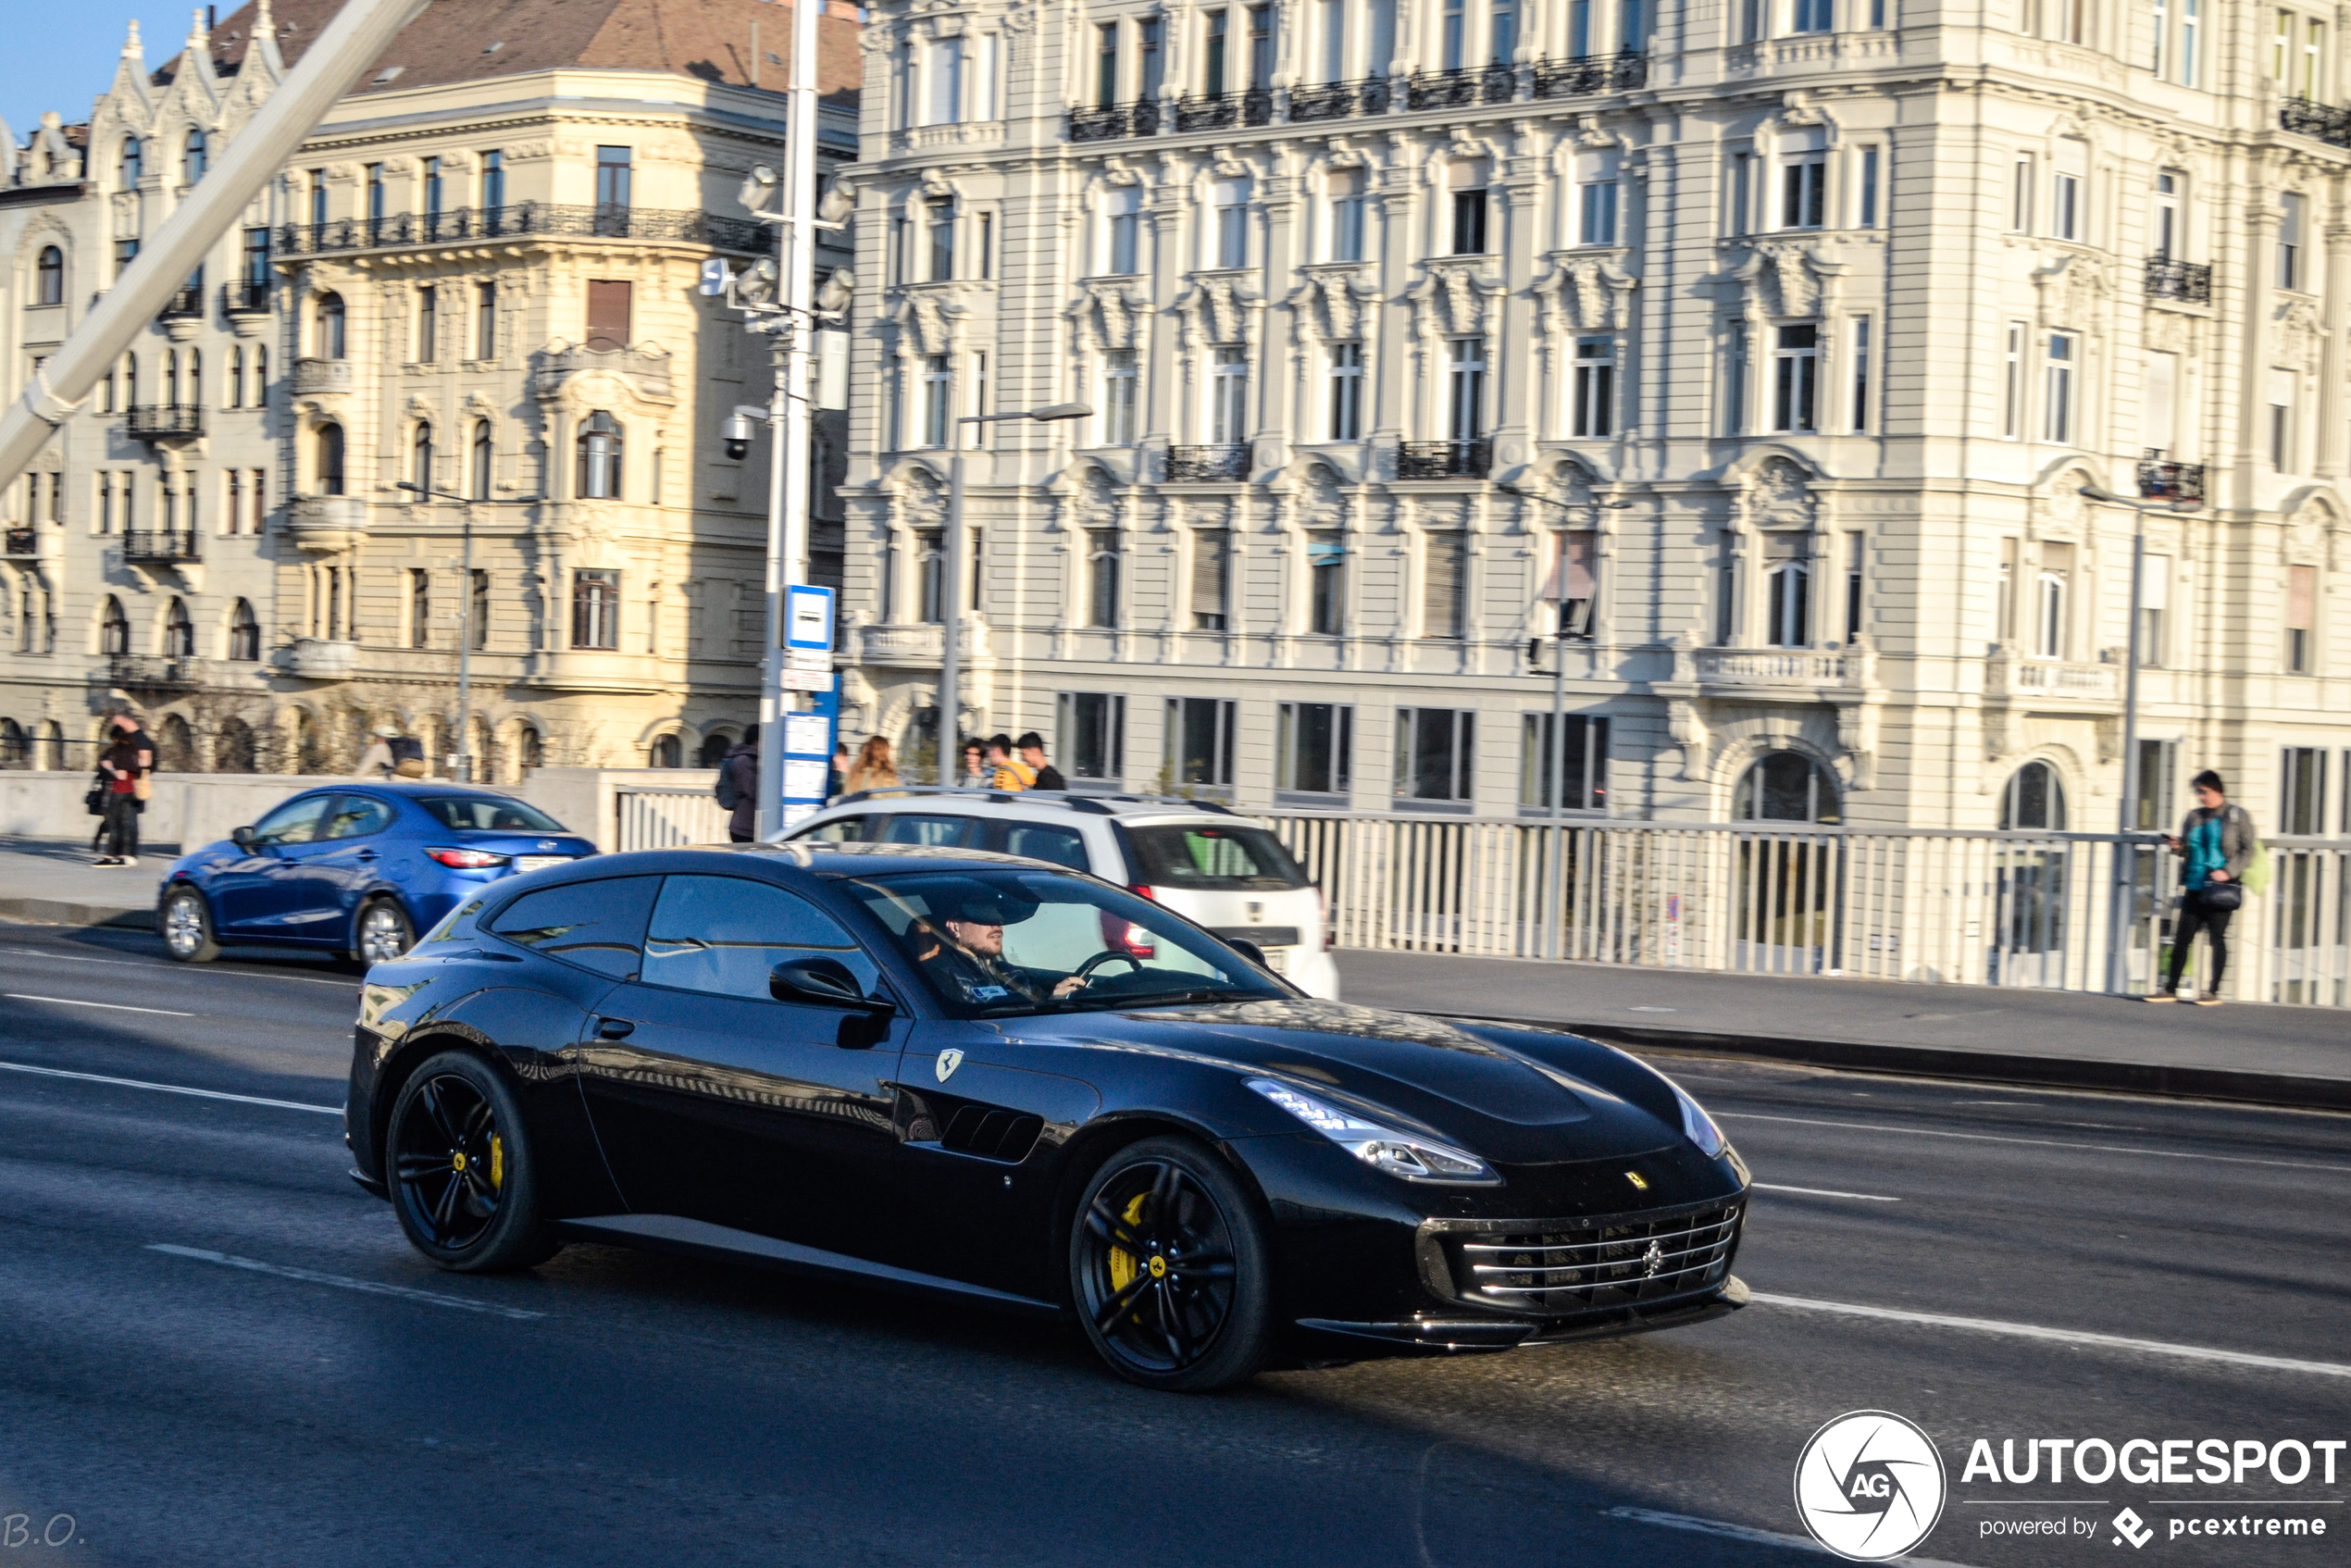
(476, 40)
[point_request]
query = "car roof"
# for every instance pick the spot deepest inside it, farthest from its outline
(1047, 804)
(845, 860)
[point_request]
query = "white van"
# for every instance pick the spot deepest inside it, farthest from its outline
(1212, 866)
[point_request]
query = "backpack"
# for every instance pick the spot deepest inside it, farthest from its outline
(405, 748)
(728, 796)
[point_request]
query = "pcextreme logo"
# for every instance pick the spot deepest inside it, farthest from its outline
(1869, 1485)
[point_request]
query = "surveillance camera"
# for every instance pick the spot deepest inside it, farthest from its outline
(738, 438)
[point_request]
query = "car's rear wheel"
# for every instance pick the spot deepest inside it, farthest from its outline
(382, 933)
(187, 927)
(1168, 1268)
(459, 1166)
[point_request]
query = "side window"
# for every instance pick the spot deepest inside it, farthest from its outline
(296, 822)
(355, 817)
(839, 830)
(598, 925)
(723, 934)
(909, 827)
(1063, 846)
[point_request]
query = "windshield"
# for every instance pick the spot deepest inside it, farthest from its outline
(490, 813)
(1216, 856)
(992, 943)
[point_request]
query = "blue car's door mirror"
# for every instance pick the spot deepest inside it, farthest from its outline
(242, 838)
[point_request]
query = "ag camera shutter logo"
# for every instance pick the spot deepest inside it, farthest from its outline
(1869, 1485)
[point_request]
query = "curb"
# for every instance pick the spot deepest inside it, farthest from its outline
(59, 912)
(2298, 1091)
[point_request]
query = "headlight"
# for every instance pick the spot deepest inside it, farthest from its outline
(1400, 1154)
(1699, 1125)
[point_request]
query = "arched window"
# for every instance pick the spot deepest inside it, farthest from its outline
(714, 750)
(132, 164)
(130, 381)
(600, 440)
(197, 159)
(113, 629)
(15, 751)
(175, 746)
(236, 377)
(170, 388)
(179, 632)
(484, 450)
(233, 747)
(245, 634)
(195, 379)
(1786, 787)
(530, 748)
(2034, 799)
(327, 341)
(50, 286)
(260, 376)
(420, 462)
(330, 459)
(667, 753)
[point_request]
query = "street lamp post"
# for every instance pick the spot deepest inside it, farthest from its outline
(951, 576)
(465, 626)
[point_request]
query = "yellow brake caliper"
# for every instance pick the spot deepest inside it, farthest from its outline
(1124, 1265)
(497, 1162)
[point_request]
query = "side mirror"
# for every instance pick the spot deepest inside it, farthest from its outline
(242, 838)
(825, 981)
(1250, 950)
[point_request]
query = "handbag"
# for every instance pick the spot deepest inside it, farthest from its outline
(95, 801)
(2221, 897)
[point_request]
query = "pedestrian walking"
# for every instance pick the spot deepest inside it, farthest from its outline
(874, 768)
(2218, 843)
(738, 787)
(1032, 751)
(836, 772)
(975, 775)
(1006, 771)
(124, 768)
(392, 755)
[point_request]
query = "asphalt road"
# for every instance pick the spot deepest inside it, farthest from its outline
(293, 1385)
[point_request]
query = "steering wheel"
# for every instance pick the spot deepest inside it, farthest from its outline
(1086, 970)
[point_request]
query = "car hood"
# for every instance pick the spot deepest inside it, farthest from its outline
(1499, 1102)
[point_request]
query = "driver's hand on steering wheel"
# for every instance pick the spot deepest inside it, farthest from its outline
(1062, 988)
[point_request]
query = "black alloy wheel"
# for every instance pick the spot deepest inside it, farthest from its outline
(461, 1176)
(1168, 1269)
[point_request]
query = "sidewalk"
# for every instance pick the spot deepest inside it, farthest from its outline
(2274, 1056)
(52, 880)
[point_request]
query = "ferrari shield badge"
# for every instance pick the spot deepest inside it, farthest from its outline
(948, 1062)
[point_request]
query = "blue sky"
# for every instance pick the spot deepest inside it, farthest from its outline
(60, 54)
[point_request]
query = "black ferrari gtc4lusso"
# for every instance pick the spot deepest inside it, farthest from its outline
(1020, 1085)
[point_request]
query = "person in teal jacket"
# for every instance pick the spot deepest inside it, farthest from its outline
(2218, 842)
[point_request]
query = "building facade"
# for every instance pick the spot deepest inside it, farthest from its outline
(449, 378)
(1767, 350)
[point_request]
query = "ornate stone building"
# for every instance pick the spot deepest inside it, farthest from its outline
(477, 280)
(1771, 346)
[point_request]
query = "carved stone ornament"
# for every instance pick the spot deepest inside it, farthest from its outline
(1329, 304)
(2169, 331)
(1093, 501)
(2059, 507)
(927, 324)
(1217, 309)
(1780, 496)
(1107, 315)
(1585, 293)
(1783, 278)
(1456, 300)
(2074, 289)
(1321, 503)
(2296, 335)
(922, 500)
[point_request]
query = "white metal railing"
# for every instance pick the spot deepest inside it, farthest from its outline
(1980, 908)
(656, 818)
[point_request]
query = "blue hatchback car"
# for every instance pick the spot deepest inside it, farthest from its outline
(354, 867)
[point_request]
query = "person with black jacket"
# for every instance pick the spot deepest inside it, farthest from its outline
(1032, 751)
(739, 777)
(123, 767)
(2218, 842)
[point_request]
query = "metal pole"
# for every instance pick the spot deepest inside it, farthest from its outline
(466, 652)
(2125, 882)
(951, 605)
(1559, 758)
(360, 32)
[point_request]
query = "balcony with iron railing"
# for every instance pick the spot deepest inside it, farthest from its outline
(1463, 88)
(2180, 483)
(2324, 121)
(160, 545)
(23, 541)
(2188, 281)
(1444, 459)
(1338, 100)
(1255, 106)
(146, 672)
(247, 298)
(164, 421)
(1207, 465)
(521, 221)
(185, 304)
(1592, 73)
(1105, 122)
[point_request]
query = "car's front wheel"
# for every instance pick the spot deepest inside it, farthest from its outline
(460, 1169)
(383, 933)
(187, 927)
(1169, 1269)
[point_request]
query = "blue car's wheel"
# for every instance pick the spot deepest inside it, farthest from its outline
(186, 923)
(382, 933)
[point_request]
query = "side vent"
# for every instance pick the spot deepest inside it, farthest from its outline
(992, 1133)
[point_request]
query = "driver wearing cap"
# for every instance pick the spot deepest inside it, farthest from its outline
(973, 955)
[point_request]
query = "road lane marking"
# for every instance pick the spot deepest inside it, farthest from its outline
(1741, 1533)
(109, 1006)
(191, 970)
(2059, 1335)
(1822, 1192)
(170, 1088)
(340, 1282)
(2035, 1142)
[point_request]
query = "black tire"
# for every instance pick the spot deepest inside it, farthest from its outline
(458, 1162)
(185, 923)
(381, 932)
(1169, 1270)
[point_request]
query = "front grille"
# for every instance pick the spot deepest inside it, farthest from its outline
(1585, 1265)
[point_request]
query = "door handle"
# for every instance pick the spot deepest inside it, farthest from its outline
(614, 1028)
(367, 855)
